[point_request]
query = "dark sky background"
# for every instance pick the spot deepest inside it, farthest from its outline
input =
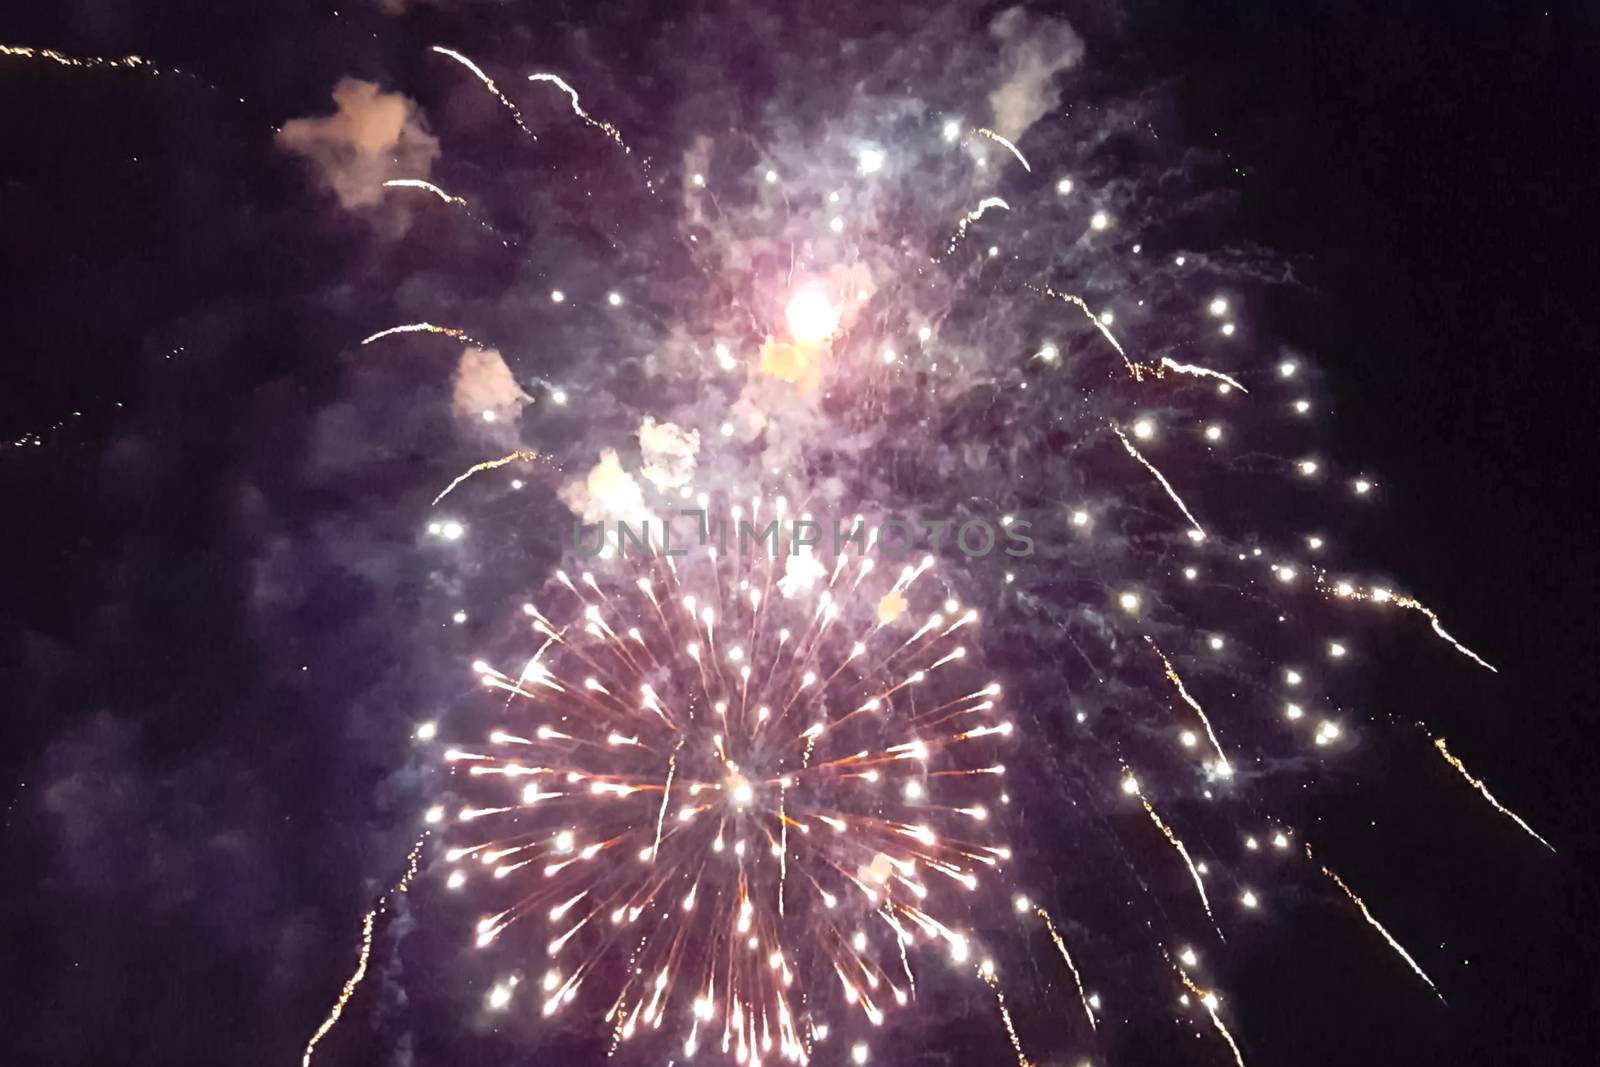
(198, 808)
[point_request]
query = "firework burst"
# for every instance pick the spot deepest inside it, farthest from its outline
(736, 795)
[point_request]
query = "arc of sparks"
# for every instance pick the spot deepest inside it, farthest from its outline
(367, 922)
(1373, 922)
(421, 327)
(1006, 143)
(973, 216)
(486, 465)
(488, 83)
(1172, 493)
(1413, 604)
(1200, 372)
(426, 186)
(1483, 791)
(1225, 767)
(1061, 947)
(577, 109)
(1134, 369)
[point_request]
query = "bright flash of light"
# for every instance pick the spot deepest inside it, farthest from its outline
(811, 316)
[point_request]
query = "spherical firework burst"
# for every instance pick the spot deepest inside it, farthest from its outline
(733, 791)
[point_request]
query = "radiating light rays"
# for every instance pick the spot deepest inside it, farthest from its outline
(1483, 791)
(368, 921)
(769, 799)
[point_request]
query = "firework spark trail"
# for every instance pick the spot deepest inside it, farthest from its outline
(1130, 785)
(1172, 493)
(1224, 767)
(973, 216)
(1082, 305)
(487, 465)
(51, 55)
(740, 779)
(1373, 922)
(367, 922)
(418, 183)
(986, 972)
(1347, 591)
(422, 327)
(488, 83)
(1208, 1000)
(577, 109)
(1005, 142)
(1201, 372)
(1411, 603)
(1483, 791)
(1061, 947)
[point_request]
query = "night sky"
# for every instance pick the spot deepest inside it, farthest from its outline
(224, 625)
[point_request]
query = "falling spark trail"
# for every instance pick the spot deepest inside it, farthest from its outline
(989, 979)
(1171, 492)
(1178, 846)
(1105, 331)
(488, 83)
(1208, 1000)
(421, 327)
(487, 465)
(1483, 791)
(577, 109)
(1183, 691)
(1376, 925)
(973, 216)
(418, 183)
(1345, 591)
(1200, 372)
(1413, 604)
(995, 137)
(367, 922)
(1061, 947)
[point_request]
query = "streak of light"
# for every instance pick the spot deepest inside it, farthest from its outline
(1483, 791)
(527, 454)
(1172, 493)
(1061, 947)
(418, 183)
(577, 109)
(367, 922)
(1373, 922)
(488, 83)
(1006, 143)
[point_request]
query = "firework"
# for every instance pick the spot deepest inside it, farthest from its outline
(736, 796)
